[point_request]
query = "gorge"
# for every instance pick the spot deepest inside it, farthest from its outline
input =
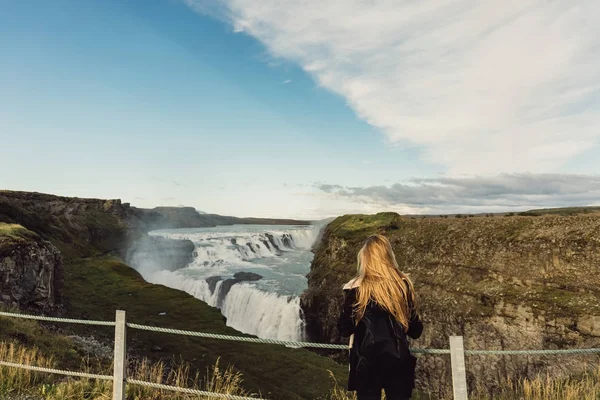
(503, 282)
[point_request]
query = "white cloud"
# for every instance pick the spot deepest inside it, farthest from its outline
(485, 86)
(287, 81)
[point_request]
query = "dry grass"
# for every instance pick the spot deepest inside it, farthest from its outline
(50, 387)
(583, 387)
(15, 380)
(228, 381)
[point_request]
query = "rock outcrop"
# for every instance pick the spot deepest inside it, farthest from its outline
(226, 285)
(31, 272)
(502, 282)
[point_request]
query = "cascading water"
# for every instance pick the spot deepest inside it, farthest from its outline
(253, 274)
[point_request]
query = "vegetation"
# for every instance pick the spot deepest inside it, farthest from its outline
(12, 234)
(15, 231)
(565, 211)
(16, 381)
(288, 373)
(227, 380)
(584, 387)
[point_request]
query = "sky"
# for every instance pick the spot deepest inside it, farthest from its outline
(303, 109)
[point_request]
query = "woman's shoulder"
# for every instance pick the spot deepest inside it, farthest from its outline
(352, 284)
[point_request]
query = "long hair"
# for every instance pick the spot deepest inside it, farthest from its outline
(382, 282)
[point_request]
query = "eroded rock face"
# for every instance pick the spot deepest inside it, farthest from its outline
(31, 274)
(501, 282)
(228, 283)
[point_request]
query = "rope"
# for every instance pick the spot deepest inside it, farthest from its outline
(236, 338)
(55, 319)
(286, 343)
(190, 391)
(532, 352)
(291, 344)
(345, 347)
(430, 351)
(56, 371)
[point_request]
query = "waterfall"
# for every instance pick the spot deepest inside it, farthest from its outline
(269, 307)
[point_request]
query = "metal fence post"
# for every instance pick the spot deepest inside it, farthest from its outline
(457, 360)
(120, 358)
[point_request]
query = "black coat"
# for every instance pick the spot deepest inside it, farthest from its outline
(381, 369)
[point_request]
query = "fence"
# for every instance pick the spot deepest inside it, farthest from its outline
(120, 380)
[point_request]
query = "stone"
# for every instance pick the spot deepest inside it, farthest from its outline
(589, 325)
(31, 273)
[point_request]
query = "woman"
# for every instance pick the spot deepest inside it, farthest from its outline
(379, 312)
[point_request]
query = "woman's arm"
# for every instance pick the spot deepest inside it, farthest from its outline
(415, 325)
(346, 326)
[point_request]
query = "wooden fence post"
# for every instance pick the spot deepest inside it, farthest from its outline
(120, 357)
(457, 360)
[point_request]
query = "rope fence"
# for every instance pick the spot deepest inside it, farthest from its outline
(56, 371)
(189, 391)
(456, 351)
(55, 319)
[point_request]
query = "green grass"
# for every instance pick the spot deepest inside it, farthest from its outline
(30, 333)
(15, 231)
(99, 286)
(12, 235)
(359, 225)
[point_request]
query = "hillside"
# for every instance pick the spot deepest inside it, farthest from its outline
(505, 282)
(188, 217)
(92, 237)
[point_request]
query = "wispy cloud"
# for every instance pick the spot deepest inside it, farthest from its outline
(482, 86)
(501, 192)
(287, 81)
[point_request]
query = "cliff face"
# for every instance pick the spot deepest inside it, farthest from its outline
(31, 273)
(78, 227)
(502, 282)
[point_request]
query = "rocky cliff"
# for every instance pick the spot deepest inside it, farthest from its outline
(510, 282)
(94, 218)
(31, 273)
(78, 227)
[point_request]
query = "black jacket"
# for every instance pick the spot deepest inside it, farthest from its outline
(380, 369)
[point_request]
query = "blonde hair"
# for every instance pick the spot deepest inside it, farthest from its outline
(382, 282)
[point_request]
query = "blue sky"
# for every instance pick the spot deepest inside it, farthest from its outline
(266, 111)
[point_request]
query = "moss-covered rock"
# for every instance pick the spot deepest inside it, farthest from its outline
(30, 269)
